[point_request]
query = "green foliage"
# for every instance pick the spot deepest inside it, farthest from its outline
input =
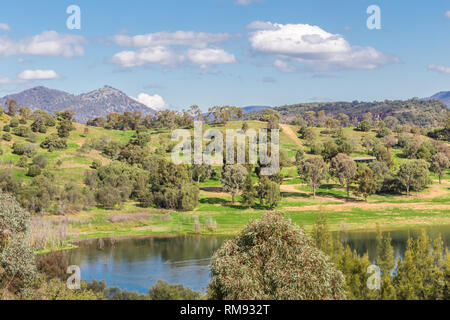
(164, 291)
(26, 149)
(439, 164)
(248, 192)
(314, 171)
(272, 258)
(17, 268)
(366, 182)
(344, 169)
(53, 142)
(34, 171)
(414, 174)
(364, 126)
(22, 131)
(233, 178)
(14, 123)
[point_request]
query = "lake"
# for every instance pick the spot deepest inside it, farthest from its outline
(136, 264)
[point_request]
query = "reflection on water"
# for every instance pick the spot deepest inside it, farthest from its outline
(364, 242)
(136, 264)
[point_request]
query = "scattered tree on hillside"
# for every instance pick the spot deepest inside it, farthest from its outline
(414, 174)
(344, 168)
(233, 178)
(366, 182)
(439, 164)
(314, 171)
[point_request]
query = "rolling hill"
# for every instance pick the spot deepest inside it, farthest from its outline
(443, 96)
(97, 103)
(420, 112)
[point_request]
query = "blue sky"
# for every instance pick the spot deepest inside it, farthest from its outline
(235, 52)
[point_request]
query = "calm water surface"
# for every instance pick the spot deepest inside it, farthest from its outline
(136, 264)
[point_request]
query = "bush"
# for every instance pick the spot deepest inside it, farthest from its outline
(53, 142)
(273, 259)
(364, 126)
(108, 197)
(96, 164)
(164, 291)
(383, 132)
(22, 131)
(22, 148)
(6, 128)
(14, 123)
(34, 171)
(22, 163)
(7, 136)
(41, 161)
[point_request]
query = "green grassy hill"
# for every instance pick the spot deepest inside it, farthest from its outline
(215, 214)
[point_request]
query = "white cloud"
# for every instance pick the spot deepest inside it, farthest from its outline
(438, 68)
(154, 102)
(30, 75)
(4, 27)
(313, 47)
(210, 56)
(447, 14)
(172, 48)
(160, 55)
(164, 38)
(283, 66)
(261, 25)
(47, 43)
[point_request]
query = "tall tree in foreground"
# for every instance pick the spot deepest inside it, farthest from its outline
(273, 258)
(344, 168)
(17, 265)
(313, 170)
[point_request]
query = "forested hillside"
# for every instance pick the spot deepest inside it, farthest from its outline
(414, 111)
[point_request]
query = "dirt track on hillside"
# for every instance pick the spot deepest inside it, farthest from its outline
(291, 134)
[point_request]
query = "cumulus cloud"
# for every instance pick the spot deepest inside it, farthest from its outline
(4, 27)
(172, 48)
(160, 55)
(315, 48)
(210, 56)
(30, 75)
(47, 43)
(154, 102)
(164, 38)
(261, 25)
(438, 68)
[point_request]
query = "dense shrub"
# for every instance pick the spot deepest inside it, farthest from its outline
(53, 142)
(273, 259)
(34, 171)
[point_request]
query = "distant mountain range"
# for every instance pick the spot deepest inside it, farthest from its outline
(443, 96)
(97, 103)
